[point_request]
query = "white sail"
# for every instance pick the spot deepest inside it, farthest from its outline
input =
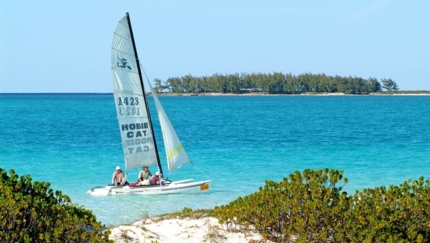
(135, 128)
(135, 125)
(175, 152)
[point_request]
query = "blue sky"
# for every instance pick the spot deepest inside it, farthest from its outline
(65, 46)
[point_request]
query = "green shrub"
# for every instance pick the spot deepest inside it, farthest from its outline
(309, 207)
(32, 212)
(187, 210)
(393, 214)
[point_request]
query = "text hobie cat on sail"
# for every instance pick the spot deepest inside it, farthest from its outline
(134, 119)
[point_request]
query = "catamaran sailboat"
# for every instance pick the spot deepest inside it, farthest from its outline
(135, 125)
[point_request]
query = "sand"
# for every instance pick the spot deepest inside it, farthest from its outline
(178, 230)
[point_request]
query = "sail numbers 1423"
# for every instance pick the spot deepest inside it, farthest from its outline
(128, 106)
(128, 101)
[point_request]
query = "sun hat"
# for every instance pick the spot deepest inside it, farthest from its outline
(157, 173)
(118, 168)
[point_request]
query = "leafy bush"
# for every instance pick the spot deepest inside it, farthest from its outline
(32, 212)
(308, 207)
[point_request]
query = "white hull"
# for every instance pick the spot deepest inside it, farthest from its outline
(185, 186)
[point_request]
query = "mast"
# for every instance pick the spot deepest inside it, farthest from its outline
(144, 94)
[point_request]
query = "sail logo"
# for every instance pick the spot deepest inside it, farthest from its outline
(135, 138)
(124, 63)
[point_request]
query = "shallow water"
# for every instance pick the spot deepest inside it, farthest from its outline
(72, 141)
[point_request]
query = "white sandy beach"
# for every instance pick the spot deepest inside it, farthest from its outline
(399, 93)
(178, 230)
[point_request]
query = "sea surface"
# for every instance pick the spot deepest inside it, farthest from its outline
(73, 142)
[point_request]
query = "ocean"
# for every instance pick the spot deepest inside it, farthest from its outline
(73, 142)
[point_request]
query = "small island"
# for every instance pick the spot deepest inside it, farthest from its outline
(274, 83)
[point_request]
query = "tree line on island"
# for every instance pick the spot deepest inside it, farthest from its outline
(274, 83)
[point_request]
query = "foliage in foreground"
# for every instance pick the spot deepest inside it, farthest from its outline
(32, 212)
(312, 208)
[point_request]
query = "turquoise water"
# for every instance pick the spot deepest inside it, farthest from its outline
(72, 141)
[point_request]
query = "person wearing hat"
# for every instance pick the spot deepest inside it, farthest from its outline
(155, 179)
(118, 177)
(143, 178)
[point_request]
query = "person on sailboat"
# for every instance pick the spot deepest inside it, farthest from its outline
(143, 178)
(155, 179)
(119, 177)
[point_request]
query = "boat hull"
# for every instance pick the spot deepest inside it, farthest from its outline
(185, 186)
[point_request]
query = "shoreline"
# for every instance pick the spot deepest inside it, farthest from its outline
(304, 94)
(399, 93)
